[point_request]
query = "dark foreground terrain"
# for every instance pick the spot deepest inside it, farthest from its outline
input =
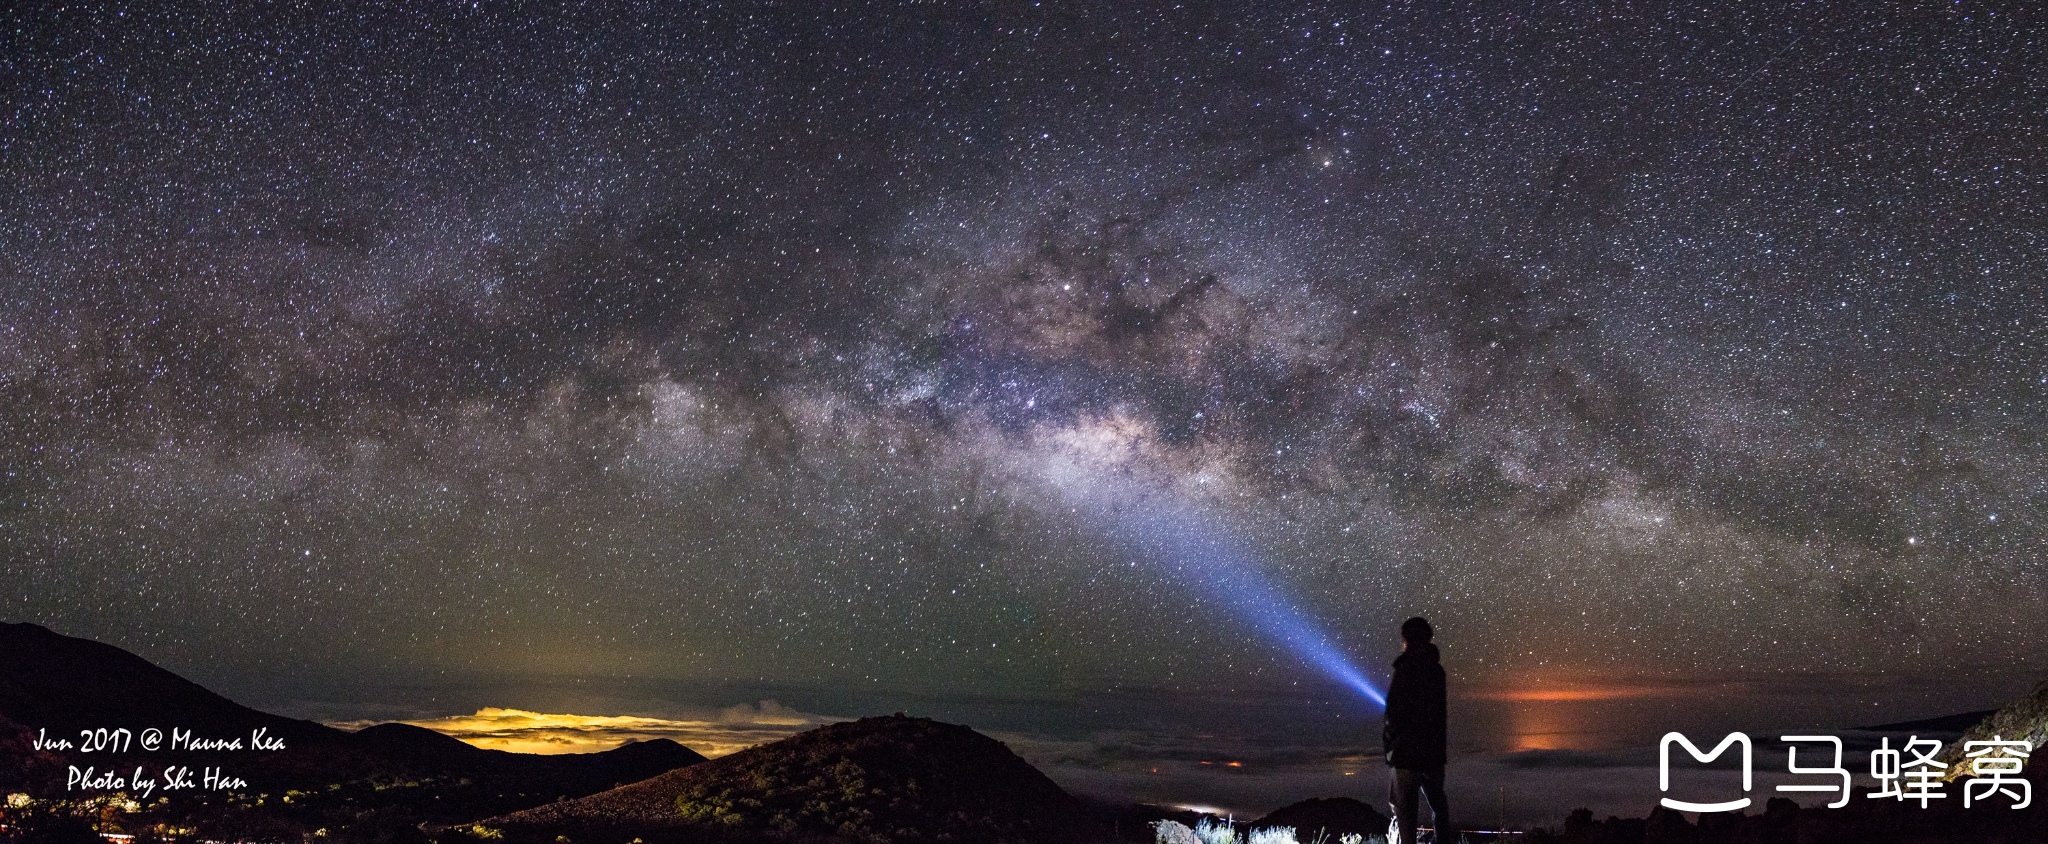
(887, 779)
(382, 783)
(872, 781)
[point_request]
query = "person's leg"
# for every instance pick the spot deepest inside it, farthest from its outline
(1401, 800)
(1432, 782)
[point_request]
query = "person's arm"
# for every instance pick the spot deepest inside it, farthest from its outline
(1441, 702)
(1396, 713)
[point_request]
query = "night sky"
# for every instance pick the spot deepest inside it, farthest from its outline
(899, 348)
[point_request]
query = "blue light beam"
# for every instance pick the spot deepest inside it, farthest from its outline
(1191, 544)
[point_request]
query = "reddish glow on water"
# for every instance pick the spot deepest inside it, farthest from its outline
(1573, 694)
(1555, 714)
(1551, 725)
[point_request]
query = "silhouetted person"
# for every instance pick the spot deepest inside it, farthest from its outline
(1414, 736)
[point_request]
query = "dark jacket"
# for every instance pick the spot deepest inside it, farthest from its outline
(1414, 735)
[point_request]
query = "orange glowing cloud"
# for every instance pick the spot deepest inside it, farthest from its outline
(521, 731)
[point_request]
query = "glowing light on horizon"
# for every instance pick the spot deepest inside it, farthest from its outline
(1205, 809)
(523, 731)
(1567, 716)
(1551, 695)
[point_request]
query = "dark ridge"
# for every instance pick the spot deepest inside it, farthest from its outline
(1943, 724)
(65, 684)
(886, 779)
(659, 751)
(567, 773)
(1333, 816)
(418, 744)
(61, 684)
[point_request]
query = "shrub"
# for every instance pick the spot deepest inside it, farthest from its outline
(1173, 832)
(1212, 831)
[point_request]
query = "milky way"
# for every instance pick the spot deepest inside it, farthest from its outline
(764, 342)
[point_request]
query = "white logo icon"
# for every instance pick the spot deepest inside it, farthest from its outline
(1664, 771)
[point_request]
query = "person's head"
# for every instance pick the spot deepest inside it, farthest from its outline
(1416, 631)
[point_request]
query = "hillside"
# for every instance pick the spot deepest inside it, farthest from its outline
(419, 748)
(1332, 816)
(64, 684)
(2025, 719)
(60, 684)
(886, 779)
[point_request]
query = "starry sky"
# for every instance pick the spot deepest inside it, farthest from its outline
(838, 347)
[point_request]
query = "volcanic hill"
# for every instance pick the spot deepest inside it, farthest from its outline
(1328, 816)
(57, 685)
(883, 779)
(2025, 720)
(62, 684)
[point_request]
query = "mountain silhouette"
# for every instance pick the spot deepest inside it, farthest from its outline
(55, 685)
(1942, 724)
(2025, 720)
(883, 779)
(417, 744)
(565, 773)
(60, 684)
(1332, 816)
